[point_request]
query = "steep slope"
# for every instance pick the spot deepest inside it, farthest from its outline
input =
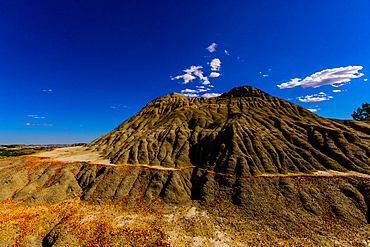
(243, 132)
(54, 203)
(242, 169)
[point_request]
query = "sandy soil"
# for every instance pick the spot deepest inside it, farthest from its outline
(83, 154)
(336, 173)
(75, 154)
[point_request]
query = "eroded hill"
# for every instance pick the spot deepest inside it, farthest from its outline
(243, 132)
(242, 169)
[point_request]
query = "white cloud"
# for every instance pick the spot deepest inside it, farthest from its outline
(191, 95)
(199, 73)
(211, 86)
(312, 110)
(190, 74)
(226, 52)
(186, 77)
(315, 97)
(47, 90)
(338, 85)
(29, 124)
(337, 91)
(212, 48)
(215, 64)
(365, 79)
(326, 77)
(210, 95)
(193, 92)
(188, 91)
(265, 75)
(35, 116)
(214, 74)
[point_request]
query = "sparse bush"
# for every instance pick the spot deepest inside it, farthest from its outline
(217, 121)
(361, 113)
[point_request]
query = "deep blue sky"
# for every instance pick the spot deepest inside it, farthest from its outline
(71, 71)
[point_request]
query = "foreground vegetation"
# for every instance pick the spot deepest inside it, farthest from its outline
(7, 151)
(15, 150)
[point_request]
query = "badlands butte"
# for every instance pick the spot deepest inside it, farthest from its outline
(241, 169)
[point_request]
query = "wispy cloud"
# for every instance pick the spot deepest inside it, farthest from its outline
(227, 53)
(35, 116)
(191, 74)
(47, 90)
(194, 92)
(212, 48)
(210, 95)
(315, 97)
(215, 64)
(116, 106)
(186, 77)
(335, 77)
(337, 91)
(189, 91)
(214, 74)
(29, 124)
(365, 79)
(265, 75)
(191, 95)
(314, 109)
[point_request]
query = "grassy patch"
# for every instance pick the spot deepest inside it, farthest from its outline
(7, 151)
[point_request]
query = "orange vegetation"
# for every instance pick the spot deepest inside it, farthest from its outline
(90, 225)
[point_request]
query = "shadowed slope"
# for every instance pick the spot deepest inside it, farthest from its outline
(244, 131)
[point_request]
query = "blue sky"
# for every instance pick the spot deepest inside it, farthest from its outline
(71, 71)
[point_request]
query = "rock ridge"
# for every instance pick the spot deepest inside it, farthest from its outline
(244, 131)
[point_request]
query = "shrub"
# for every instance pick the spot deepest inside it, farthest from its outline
(217, 121)
(361, 113)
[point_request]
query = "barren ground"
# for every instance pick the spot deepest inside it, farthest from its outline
(79, 153)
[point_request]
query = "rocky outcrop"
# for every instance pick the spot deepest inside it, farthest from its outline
(243, 132)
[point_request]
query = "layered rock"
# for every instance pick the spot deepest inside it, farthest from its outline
(242, 132)
(239, 169)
